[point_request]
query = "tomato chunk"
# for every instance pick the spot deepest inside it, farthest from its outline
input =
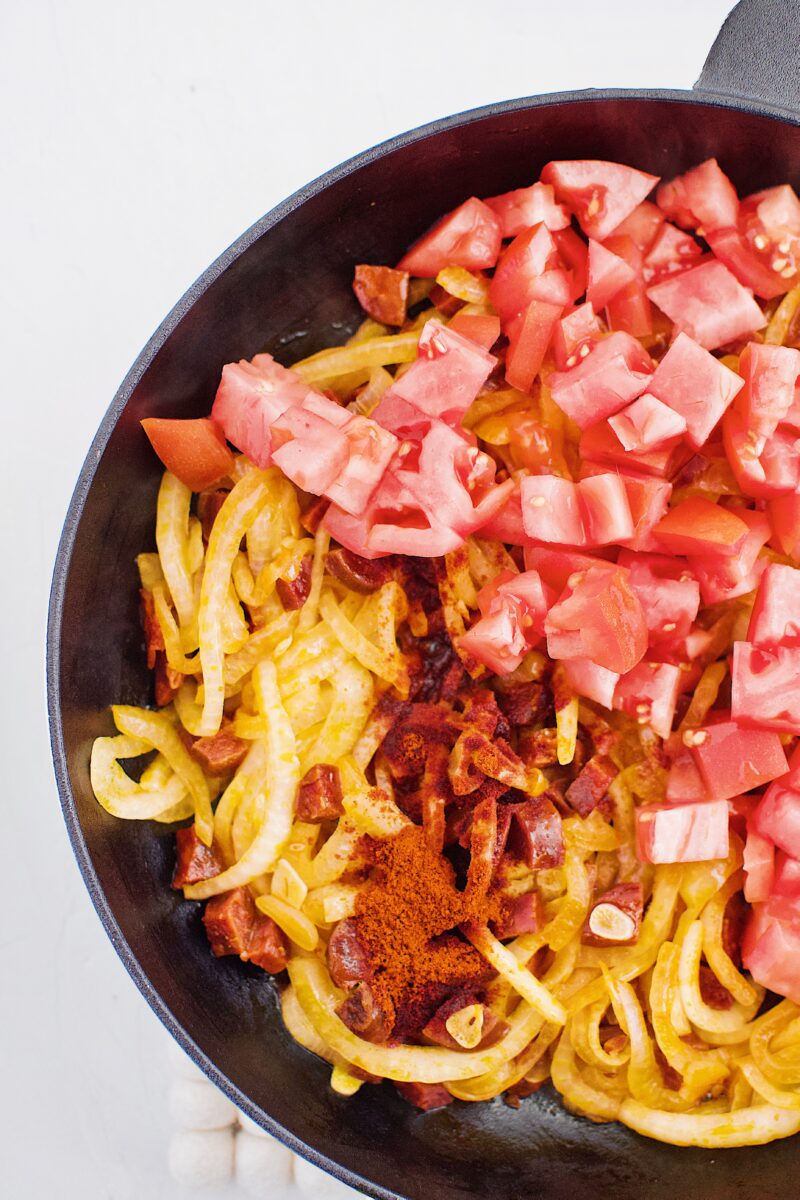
(194, 451)
(630, 309)
(446, 377)
(551, 510)
(580, 327)
(557, 565)
(605, 510)
(775, 620)
(696, 526)
(250, 398)
(529, 342)
(766, 687)
(520, 209)
(759, 866)
(524, 273)
(315, 451)
(642, 225)
(750, 268)
(669, 594)
(678, 833)
(648, 500)
(784, 515)
(601, 194)
(469, 237)
(684, 782)
(481, 328)
(709, 304)
(650, 693)
(703, 199)
(608, 273)
(598, 617)
(382, 292)
(600, 444)
(770, 376)
(589, 680)
(672, 251)
(771, 953)
(732, 760)
(787, 877)
(497, 640)
(777, 817)
(725, 576)
(615, 371)
(647, 423)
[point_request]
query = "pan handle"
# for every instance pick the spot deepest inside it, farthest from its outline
(757, 54)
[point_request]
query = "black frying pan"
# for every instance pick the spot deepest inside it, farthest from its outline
(285, 287)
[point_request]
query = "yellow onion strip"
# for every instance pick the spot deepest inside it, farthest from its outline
(521, 979)
(700, 1069)
(422, 1064)
(720, 962)
(235, 517)
(345, 360)
(158, 731)
(353, 691)
(355, 643)
(172, 539)
(701, 1015)
(120, 795)
(281, 777)
(753, 1126)
(579, 1095)
(782, 1097)
(767, 1056)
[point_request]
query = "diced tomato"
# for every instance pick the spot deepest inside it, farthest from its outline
(529, 342)
(709, 304)
(650, 692)
(769, 223)
(315, 452)
(506, 524)
(605, 511)
(579, 327)
(698, 527)
(589, 680)
(469, 237)
(685, 650)
(608, 273)
(784, 515)
(679, 833)
(382, 292)
(672, 251)
(194, 451)
(600, 444)
(771, 953)
(770, 375)
(647, 423)
(530, 441)
(776, 472)
(777, 817)
(551, 510)
(556, 566)
(598, 617)
(684, 782)
(703, 199)
(759, 866)
(446, 377)
(524, 207)
(250, 398)
(669, 595)
(749, 266)
(775, 619)
(642, 225)
(766, 687)
(481, 328)
(497, 641)
(520, 271)
(615, 371)
(601, 194)
(724, 577)
(526, 592)
(370, 450)
(732, 760)
(630, 311)
(787, 877)
(574, 253)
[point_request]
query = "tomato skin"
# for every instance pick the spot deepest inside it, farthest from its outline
(732, 760)
(468, 237)
(759, 866)
(601, 194)
(709, 304)
(615, 371)
(520, 209)
(382, 292)
(698, 527)
(194, 450)
(679, 833)
(649, 692)
(598, 617)
(529, 342)
(724, 577)
(775, 620)
(765, 687)
(784, 515)
(608, 273)
(647, 423)
(703, 199)
(483, 329)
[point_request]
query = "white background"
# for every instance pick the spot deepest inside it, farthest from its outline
(138, 139)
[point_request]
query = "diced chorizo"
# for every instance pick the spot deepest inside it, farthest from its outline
(483, 849)
(208, 505)
(153, 637)
(536, 834)
(514, 1095)
(436, 1029)
(671, 1078)
(590, 787)
(734, 921)
(539, 747)
(194, 861)
(475, 755)
(319, 795)
(407, 742)
(714, 994)
(382, 292)
(361, 1013)
(293, 591)
(425, 1095)
(165, 681)
(518, 915)
(221, 753)
(312, 517)
(235, 926)
(615, 917)
(267, 947)
(359, 574)
(525, 703)
(348, 957)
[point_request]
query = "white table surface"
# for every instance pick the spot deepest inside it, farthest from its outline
(138, 139)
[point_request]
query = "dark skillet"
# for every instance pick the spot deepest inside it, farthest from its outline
(285, 287)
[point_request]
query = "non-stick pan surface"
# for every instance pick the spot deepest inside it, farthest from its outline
(285, 287)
